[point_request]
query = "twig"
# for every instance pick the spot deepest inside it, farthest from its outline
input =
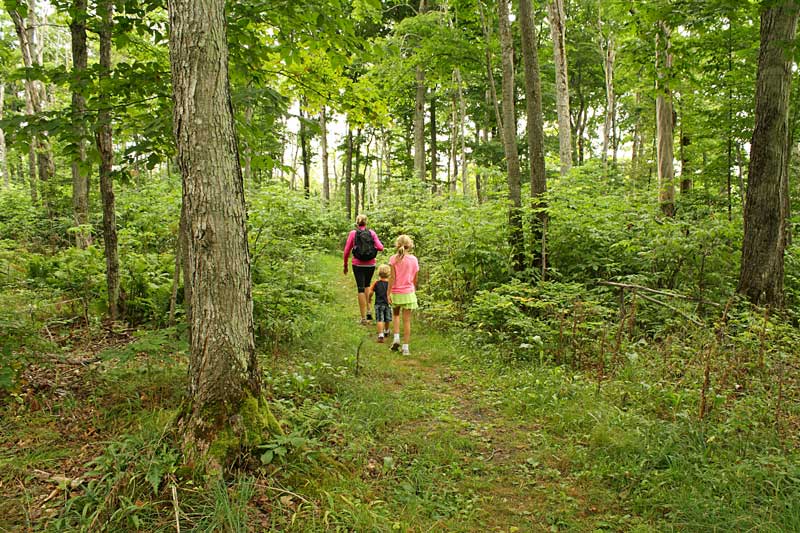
(176, 507)
(673, 308)
(283, 491)
(706, 382)
(656, 291)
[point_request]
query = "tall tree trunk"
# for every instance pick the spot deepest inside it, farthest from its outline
(580, 117)
(365, 181)
(348, 174)
(224, 380)
(305, 152)
(730, 116)
(557, 17)
(765, 211)
(535, 129)
(609, 55)
(248, 150)
(30, 48)
(419, 127)
(357, 178)
(686, 168)
(452, 174)
(106, 149)
(664, 122)
(478, 186)
(80, 170)
(419, 116)
(515, 236)
(637, 133)
(323, 126)
(3, 151)
(492, 92)
(740, 173)
(434, 147)
(462, 119)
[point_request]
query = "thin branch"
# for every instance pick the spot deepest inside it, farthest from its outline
(655, 291)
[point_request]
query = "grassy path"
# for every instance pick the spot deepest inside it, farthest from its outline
(431, 447)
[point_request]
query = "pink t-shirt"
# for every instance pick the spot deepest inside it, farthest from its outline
(351, 241)
(404, 272)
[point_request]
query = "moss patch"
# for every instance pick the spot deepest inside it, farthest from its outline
(248, 428)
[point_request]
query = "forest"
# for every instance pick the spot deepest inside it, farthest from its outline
(602, 197)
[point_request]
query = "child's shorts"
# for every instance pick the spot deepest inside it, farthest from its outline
(405, 301)
(383, 313)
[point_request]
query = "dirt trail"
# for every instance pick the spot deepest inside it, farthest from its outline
(514, 486)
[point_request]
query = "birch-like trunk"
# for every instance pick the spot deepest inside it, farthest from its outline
(765, 211)
(40, 157)
(557, 18)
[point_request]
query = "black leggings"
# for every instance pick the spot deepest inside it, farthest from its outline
(363, 275)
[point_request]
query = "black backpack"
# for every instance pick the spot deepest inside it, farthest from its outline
(364, 247)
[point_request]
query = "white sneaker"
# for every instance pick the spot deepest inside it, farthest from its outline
(406, 352)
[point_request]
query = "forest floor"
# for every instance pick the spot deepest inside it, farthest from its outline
(424, 442)
(430, 446)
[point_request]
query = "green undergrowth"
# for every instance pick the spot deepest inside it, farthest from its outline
(459, 436)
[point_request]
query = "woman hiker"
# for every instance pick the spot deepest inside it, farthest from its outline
(365, 245)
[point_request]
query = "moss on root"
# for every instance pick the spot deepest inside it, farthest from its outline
(236, 434)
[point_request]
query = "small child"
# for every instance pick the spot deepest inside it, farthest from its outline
(380, 288)
(402, 289)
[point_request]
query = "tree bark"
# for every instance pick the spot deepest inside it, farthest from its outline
(637, 133)
(41, 154)
(348, 174)
(105, 147)
(357, 178)
(765, 211)
(609, 56)
(515, 235)
(535, 129)
(664, 123)
(452, 174)
(462, 118)
(305, 153)
(3, 152)
(686, 165)
(225, 383)
(419, 115)
(248, 150)
(323, 126)
(80, 170)
(419, 127)
(557, 17)
(434, 146)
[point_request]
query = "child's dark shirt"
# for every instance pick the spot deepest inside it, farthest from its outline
(381, 288)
